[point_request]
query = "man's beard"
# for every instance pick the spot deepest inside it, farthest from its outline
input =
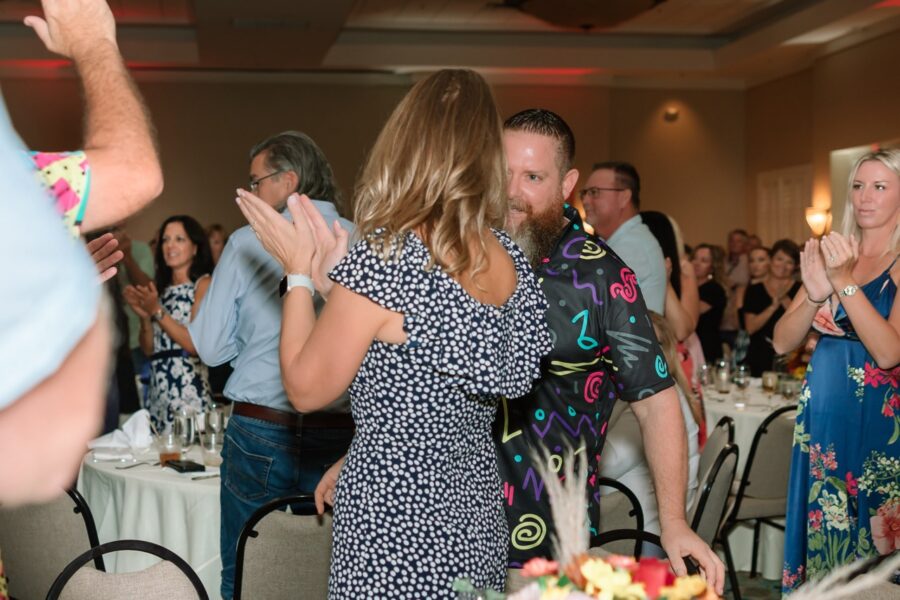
(538, 233)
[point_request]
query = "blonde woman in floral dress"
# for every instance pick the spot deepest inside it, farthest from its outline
(844, 489)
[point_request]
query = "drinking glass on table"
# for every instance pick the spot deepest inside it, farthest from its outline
(211, 447)
(169, 447)
(742, 380)
(184, 426)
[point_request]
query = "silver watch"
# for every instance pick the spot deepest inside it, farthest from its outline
(849, 291)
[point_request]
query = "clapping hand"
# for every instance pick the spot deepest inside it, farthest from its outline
(143, 300)
(331, 246)
(840, 256)
(812, 271)
(291, 244)
(105, 253)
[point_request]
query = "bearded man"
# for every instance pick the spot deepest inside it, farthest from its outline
(604, 350)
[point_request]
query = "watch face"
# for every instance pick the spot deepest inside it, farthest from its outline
(282, 287)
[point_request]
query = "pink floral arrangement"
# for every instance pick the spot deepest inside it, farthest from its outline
(611, 578)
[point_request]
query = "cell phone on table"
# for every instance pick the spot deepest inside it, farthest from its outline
(185, 466)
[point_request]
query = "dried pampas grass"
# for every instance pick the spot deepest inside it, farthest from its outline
(568, 503)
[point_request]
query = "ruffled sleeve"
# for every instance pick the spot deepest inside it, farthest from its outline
(366, 273)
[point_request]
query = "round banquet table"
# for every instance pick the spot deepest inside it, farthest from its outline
(748, 409)
(157, 505)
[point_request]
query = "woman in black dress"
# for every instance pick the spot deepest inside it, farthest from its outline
(709, 267)
(766, 301)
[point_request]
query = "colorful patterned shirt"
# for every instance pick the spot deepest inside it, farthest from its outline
(67, 176)
(604, 349)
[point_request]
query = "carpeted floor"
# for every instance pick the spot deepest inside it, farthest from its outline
(756, 588)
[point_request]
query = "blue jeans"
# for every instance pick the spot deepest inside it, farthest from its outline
(262, 461)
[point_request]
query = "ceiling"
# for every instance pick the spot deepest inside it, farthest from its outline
(727, 43)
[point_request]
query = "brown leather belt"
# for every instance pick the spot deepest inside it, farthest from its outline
(294, 420)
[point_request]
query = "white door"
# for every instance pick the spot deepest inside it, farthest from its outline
(782, 198)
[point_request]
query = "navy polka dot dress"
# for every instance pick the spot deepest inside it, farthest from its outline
(418, 502)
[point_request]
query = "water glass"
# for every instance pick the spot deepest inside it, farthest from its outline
(723, 377)
(184, 427)
(211, 446)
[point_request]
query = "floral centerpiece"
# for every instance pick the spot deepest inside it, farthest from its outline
(610, 578)
(575, 574)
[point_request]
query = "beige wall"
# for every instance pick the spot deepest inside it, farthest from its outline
(206, 130)
(846, 99)
(692, 168)
(695, 168)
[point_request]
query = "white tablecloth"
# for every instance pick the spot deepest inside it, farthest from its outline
(748, 409)
(157, 505)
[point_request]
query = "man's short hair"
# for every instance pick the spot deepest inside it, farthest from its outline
(626, 177)
(546, 122)
(742, 232)
(297, 152)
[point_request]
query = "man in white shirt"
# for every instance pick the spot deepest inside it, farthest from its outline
(612, 202)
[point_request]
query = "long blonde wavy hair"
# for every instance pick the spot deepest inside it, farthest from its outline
(890, 159)
(437, 169)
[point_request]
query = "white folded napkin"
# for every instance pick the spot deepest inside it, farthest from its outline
(120, 444)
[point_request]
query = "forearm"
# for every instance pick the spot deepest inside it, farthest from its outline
(135, 273)
(879, 337)
(178, 332)
(145, 336)
(756, 321)
(297, 322)
(119, 138)
(792, 327)
(682, 323)
(665, 445)
(690, 295)
(38, 464)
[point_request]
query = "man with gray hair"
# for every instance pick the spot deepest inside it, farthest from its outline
(270, 449)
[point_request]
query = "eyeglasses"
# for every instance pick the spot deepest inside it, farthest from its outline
(254, 183)
(593, 192)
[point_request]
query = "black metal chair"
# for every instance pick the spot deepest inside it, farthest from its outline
(293, 551)
(720, 436)
(611, 519)
(158, 578)
(712, 502)
(762, 493)
(31, 563)
(640, 537)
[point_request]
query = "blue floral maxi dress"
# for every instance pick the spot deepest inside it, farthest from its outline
(844, 489)
(177, 379)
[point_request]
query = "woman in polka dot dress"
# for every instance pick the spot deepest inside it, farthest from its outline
(432, 316)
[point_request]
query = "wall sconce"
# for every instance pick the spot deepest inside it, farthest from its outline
(670, 115)
(819, 220)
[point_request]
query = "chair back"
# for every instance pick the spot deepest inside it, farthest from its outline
(170, 579)
(279, 553)
(620, 510)
(721, 435)
(39, 540)
(768, 465)
(709, 510)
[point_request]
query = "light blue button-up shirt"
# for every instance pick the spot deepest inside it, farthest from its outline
(50, 291)
(637, 246)
(239, 319)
